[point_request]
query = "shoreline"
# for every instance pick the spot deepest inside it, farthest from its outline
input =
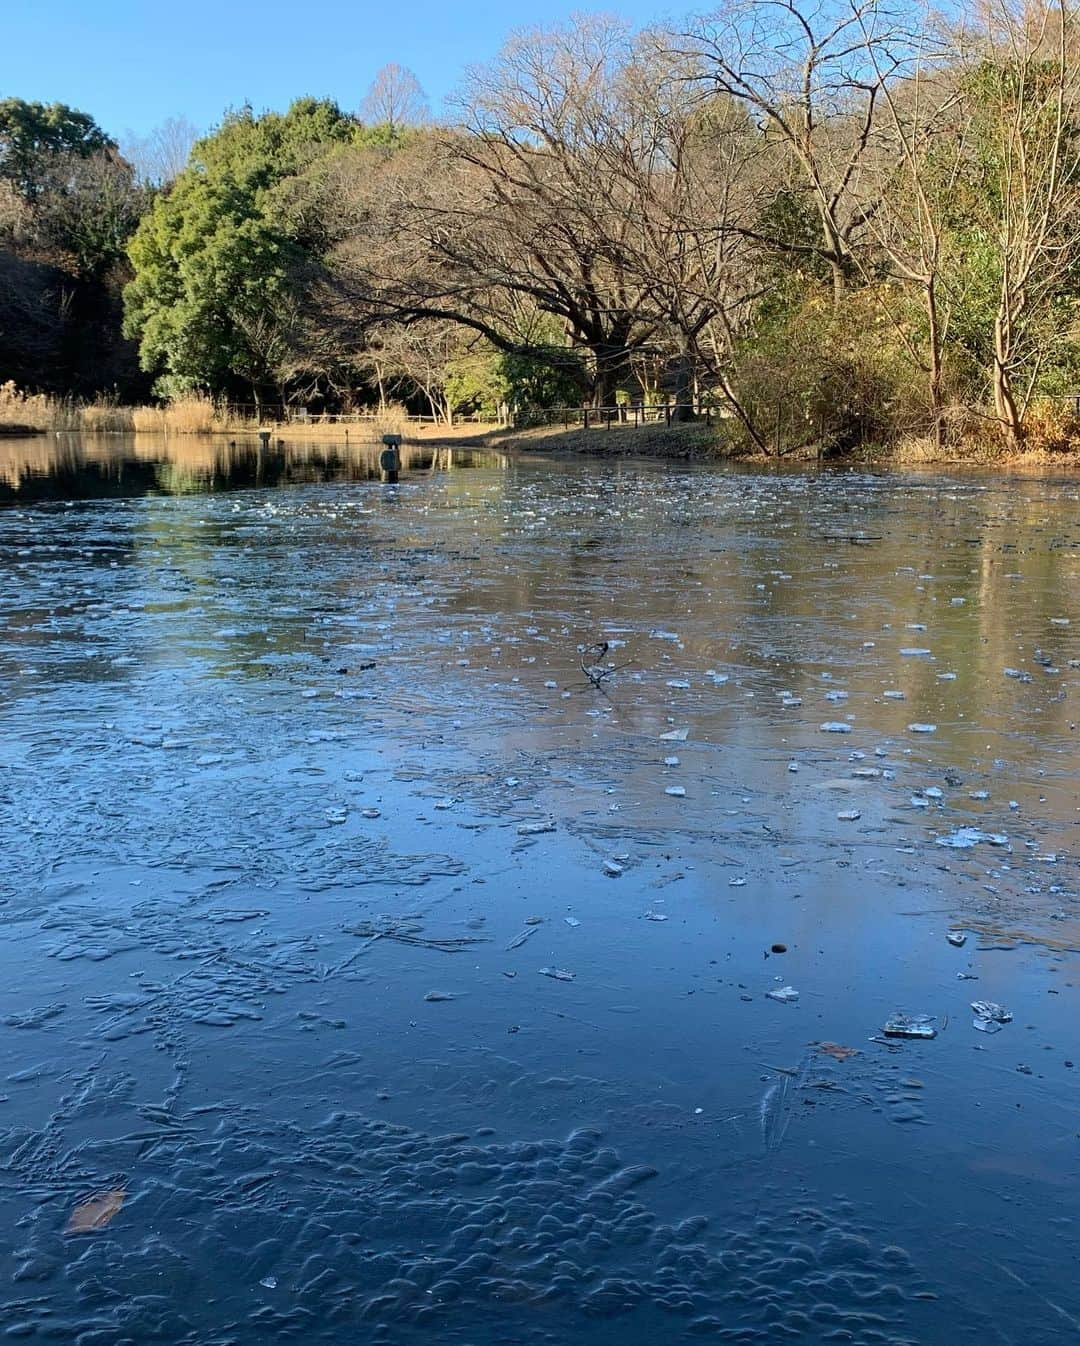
(686, 443)
(690, 443)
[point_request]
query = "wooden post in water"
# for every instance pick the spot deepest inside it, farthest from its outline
(264, 439)
(390, 458)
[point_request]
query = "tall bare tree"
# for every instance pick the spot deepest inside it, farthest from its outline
(1022, 100)
(921, 150)
(583, 180)
(160, 156)
(800, 67)
(395, 98)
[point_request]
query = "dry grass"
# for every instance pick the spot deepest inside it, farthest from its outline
(34, 411)
(193, 415)
(105, 416)
(38, 411)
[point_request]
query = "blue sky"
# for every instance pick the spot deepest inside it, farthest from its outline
(132, 63)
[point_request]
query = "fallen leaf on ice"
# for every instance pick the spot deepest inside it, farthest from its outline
(838, 1052)
(95, 1212)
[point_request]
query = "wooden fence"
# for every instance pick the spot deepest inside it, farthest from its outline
(624, 413)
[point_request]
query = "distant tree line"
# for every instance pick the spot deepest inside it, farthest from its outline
(836, 220)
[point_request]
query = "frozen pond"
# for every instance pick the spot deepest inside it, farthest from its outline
(305, 797)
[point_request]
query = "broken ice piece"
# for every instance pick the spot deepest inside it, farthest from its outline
(900, 1025)
(989, 1016)
(966, 837)
(785, 994)
(534, 829)
(676, 791)
(675, 736)
(957, 938)
(612, 868)
(923, 728)
(848, 815)
(835, 727)
(572, 921)
(655, 916)
(558, 973)
(914, 651)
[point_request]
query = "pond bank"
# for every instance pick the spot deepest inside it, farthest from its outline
(700, 443)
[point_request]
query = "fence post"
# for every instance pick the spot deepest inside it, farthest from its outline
(586, 418)
(667, 414)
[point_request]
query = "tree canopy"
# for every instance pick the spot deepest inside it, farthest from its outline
(215, 256)
(35, 137)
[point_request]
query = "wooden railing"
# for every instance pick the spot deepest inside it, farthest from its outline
(623, 413)
(276, 414)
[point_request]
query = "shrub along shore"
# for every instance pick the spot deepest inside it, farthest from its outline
(1054, 438)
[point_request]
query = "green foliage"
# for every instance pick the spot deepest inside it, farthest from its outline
(833, 377)
(87, 218)
(35, 136)
(216, 258)
(486, 380)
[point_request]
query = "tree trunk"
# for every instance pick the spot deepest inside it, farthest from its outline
(612, 360)
(683, 410)
(604, 385)
(741, 413)
(937, 410)
(1008, 413)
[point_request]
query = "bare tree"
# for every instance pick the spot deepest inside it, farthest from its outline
(1022, 99)
(800, 67)
(395, 98)
(584, 181)
(916, 177)
(162, 154)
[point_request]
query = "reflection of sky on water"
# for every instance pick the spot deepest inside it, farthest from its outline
(197, 689)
